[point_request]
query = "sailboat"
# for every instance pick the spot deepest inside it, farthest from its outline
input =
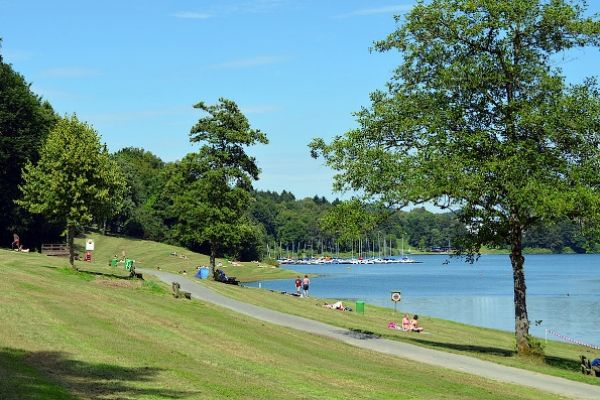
(405, 259)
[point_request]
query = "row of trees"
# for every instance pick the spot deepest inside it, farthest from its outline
(147, 198)
(25, 120)
(278, 224)
(144, 197)
(316, 226)
(58, 178)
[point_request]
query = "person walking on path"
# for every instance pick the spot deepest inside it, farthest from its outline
(298, 283)
(305, 285)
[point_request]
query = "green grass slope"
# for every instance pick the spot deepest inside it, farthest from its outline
(170, 258)
(560, 359)
(69, 335)
(498, 346)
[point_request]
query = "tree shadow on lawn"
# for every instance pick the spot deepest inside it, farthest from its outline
(563, 363)
(556, 362)
(83, 272)
(106, 274)
(47, 374)
(49, 266)
(495, 351)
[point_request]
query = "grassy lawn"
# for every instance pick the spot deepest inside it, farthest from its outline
(561, 359)
(170, 258)
(68, 335)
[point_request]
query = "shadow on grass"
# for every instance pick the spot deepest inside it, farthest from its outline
(106, 274)
(563, 363)
(555, 362)
(360, 334)
(495, 351)
(52, 375)
(49, 266)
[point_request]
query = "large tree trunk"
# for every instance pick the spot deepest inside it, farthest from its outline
(521, 320)
(70, 243)
(213, 256)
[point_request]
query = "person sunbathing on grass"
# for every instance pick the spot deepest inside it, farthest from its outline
(335, 306)
(414, 324)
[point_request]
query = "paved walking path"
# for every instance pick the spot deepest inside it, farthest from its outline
(560, 386)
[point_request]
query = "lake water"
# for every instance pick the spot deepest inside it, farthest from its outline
(563, 291)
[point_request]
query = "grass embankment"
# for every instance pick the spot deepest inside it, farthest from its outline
(498, 346)
(561, 359)
(170, 258)
(68, 335)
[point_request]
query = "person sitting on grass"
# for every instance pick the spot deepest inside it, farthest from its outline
(414, 324)
(406, 323)
(596, 366)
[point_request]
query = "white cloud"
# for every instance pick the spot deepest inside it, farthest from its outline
(191, 15)
(236, 7)
(259, 109)
(70, 72)
(16, 55)
(135, 115)
(49, 93)
(379, 10)
(254, 6)
(250, 62)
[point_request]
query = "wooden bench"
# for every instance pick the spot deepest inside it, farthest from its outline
(587, 368)
(177, 292)
(55, 249)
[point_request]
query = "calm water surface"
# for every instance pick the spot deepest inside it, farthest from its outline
(562, 290)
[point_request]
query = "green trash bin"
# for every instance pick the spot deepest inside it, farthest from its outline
(360, 307)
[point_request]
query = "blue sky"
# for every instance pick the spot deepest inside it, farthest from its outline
(133, 69)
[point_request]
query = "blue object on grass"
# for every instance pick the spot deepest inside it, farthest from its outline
(202, 273)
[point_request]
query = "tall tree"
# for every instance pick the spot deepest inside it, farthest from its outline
(25, 120)
(348, 221)
(74, 181)
(217, 192)
(142, 171)
(476, 118)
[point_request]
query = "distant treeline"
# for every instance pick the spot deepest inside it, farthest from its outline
(275, 225)
(293, 226)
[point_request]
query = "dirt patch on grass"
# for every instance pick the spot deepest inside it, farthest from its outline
(118, 283)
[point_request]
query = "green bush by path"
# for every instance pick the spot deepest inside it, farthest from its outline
(77, 335)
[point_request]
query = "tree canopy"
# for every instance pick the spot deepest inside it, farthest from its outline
(25, 120)
(477, 119)
(74, 181)
(213, 187)
(142, 171)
